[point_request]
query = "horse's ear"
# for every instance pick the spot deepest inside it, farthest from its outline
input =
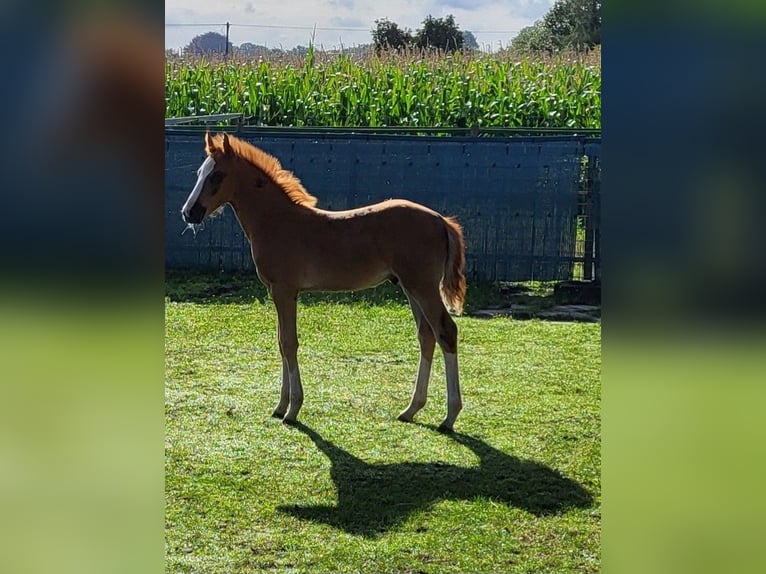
(226, 145)
(210, 146)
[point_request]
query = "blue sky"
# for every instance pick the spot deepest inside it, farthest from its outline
(287, 23)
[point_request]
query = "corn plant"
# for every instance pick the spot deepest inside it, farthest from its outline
(414, 90)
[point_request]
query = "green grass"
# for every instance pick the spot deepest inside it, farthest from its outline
(515, 489)
(412, 90)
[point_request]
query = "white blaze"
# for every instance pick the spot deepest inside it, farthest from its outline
(204, 170)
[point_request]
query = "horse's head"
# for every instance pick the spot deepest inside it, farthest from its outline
(215, 186)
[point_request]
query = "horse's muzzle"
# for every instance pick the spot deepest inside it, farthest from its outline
(196, 214)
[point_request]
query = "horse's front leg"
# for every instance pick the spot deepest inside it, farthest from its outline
(285, 300)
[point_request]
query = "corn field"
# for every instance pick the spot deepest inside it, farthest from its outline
(390, 90)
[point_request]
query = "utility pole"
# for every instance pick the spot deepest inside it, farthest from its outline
(226, 47)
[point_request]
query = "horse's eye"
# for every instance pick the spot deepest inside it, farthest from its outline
(216, 178)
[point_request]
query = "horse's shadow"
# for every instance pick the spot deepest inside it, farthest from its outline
(373, 498)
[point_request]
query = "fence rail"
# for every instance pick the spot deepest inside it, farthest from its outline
(528, 204)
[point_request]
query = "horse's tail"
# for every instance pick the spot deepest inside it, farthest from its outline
(452, 286)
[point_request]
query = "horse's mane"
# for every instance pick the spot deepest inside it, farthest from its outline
(270, 166)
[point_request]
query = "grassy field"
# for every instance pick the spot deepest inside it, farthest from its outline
(515, 489)
(413, 90)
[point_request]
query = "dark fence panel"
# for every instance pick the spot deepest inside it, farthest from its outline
(592, 219)
(517, 198)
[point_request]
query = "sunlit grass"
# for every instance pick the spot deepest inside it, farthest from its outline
(516, 489)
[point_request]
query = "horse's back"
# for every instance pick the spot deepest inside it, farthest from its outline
(401, 210)
(395, 237)
(394, 222)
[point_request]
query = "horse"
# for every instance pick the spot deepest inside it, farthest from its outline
(298, 247)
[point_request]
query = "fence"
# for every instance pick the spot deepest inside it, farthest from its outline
(528, 205)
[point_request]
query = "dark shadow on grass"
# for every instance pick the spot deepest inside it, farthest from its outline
(374, 498)
(536, 300)
(205, 287)
(194, 286)
(522, 301)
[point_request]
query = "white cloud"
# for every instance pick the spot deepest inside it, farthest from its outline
(351, 22)
(469, 5)
(348, 4)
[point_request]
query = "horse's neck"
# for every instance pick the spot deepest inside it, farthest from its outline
(259, 211)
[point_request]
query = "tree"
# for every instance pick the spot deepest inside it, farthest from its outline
(207, 44)
(299, 52)
(469, 41)
(440, 33)
(247, 49)
(250, 50)
(574, 23)
(388, 36)
(535, 38)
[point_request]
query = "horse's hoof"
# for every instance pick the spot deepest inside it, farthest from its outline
(290, 419)
(277, 415)
(444, 429)
(404, 418)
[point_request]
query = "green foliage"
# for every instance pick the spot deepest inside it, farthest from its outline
(534, 39)
(574, 24)
(469, 41)
(439, 33)
(516, 489)
(388, 36)
(207, 44)
(570, 25)
(453, 90)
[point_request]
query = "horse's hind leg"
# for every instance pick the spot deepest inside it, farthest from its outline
(284, 393)
(446, 335)
(427, 345)
(285, 300)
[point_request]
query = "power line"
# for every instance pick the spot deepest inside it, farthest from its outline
(321, 28)
(173, 25)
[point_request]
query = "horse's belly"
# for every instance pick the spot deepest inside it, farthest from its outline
(349, 277)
